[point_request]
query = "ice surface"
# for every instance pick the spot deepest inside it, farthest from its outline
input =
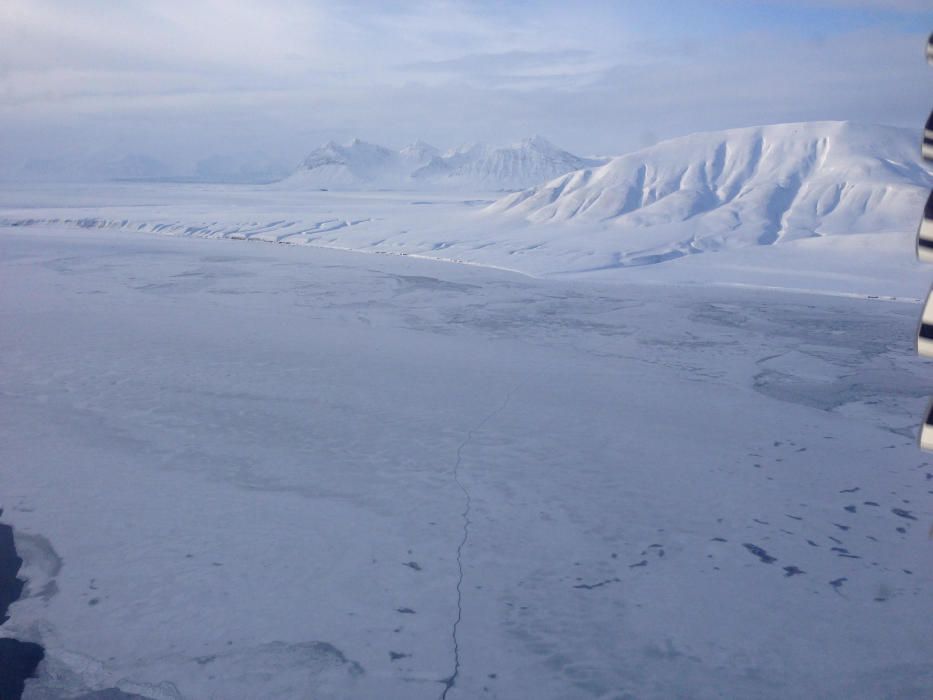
(241, 470)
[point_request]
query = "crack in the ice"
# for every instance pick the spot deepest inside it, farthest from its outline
(468, 502)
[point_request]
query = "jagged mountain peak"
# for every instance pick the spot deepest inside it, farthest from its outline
(472, 166)
(536, 142)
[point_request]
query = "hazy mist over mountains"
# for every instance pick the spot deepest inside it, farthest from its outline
(355, 165)
(243, 91)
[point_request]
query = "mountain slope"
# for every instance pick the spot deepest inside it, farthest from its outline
(355, 165)
(520, 165)
(741, 187)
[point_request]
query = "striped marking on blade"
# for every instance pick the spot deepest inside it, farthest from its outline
(925, 329)
(925, 233)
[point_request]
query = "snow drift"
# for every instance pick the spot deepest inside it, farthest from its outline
(740, 187)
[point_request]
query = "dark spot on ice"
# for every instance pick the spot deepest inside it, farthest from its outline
(850, 556)
(204, 660)
(396, 655)
(719, 539)
(837, 583)
(842, 550)
(901, 513)
(405, 611)
(93, 601)
(49, 590)
(793, 571)
(837, 541)
(643, 562)
(870, 503)
(852, 490)
(760, 553)
(591, 586)
(902, 530)
(761, 522)
(812, 543)
(841, 527)
(793, 517)
(850, 509)
(413, 565)
(907, 571)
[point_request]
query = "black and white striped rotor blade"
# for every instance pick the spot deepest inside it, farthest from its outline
(930, 50)
(926, 430)
(925, 233)
(925, 332)
(927, 148)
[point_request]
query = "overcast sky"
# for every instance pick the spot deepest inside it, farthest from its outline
(181, 80)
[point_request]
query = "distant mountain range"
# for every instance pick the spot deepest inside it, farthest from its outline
(760, 185)
(361, 165)
(239, 168)
(91, 169)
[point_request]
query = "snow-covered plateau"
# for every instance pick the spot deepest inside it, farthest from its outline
(648, 438)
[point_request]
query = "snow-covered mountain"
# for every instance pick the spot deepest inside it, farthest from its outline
(361, 165)
(530, 161)
(357, 164)
(744, 186)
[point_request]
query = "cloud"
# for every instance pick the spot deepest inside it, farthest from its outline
(558, 69)
(888, 5)
(503, 62)
(187, 80)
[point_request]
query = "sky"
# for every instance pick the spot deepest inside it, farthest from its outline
(186, 80)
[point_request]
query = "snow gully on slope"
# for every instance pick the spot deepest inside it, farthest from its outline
(451, 680)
